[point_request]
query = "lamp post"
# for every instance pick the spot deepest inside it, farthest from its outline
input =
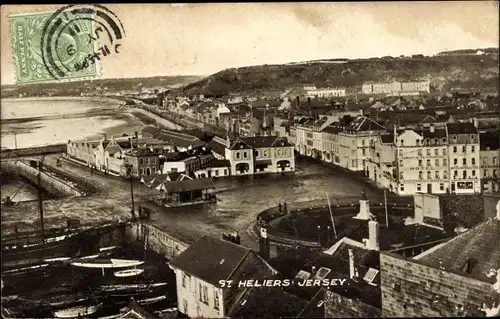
(128, 168)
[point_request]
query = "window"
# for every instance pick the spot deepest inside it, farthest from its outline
(429, 175)
(363, 151)
(245, 154)
(401, 163)
(455, 174)
(494, 160)
(184, 280)
(436, 162)
(402, 142)
(441, 186)
(454, 149)
(445, 162)
(437, 175)
(486, 173)
(420, 175)
(464, 149)
(419, 187)
(494, 173)
(142, 171)
(428, 152)
(216, 299)
(149, 160)
(225, 172)
(473, 161)
(485, 161)
(173, 169)
(436, 152)
(444, 151)
(400, 175)
(237, 155)
(428, 162)
(472, 148)
(257, 153)
(445, 174)
(265, 153)
(419, 152)
(454, 137)
(464, 174)
(216, 172)
(473, 172)
(141, 161)
(420, 162)
(455, 161)
(203, 293)
(402, 188)
(472, 136)
(464, 161)
(363, 142)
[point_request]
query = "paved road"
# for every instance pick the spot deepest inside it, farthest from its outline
(235, 209)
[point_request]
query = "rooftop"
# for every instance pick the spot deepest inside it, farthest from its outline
(212, 259)
(461, 128)
(474, 252)
(259, 142)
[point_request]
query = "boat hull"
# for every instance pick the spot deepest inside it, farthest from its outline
(128, 273)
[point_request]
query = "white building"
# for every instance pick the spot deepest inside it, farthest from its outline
(325, 92)
(489, 157)
(463, 140)
(216, 168)
(396, 87)
(202, 266)
(260, 155)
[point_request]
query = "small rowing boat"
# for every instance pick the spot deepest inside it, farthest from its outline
(107, 248)
(111, 288)
(107, 263)
(52, 260)
(152, 300)
(76, 312)
(128, 272)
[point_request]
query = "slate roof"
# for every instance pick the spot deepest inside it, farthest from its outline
(268, 302)
(146, 151)
(362, 123)
(179, 139)
(219, 163)
(187, 185)
(426, 132)
(387, 138)
(333, 128)
(211, 259)
(409, 118)
(217, 147)
(490, 139)
(461, 128)
(258, 142)
(479, 245)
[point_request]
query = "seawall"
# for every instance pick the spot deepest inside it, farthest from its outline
(164, 122)
(51, 183)
(157, 240)
(20, 152)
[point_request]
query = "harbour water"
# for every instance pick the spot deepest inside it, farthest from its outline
(28, 122)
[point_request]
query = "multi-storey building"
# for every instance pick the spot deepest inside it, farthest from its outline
(489, 157)
(142, 161)
(310, 137)
(422, 161)
(396, 87)
(354, 142)
(382, 162)
(325, 92)
(260, 154)
(463, 150)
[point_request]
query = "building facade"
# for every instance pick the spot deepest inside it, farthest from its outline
(395, 87)
(142, 161)
(260, 155)
(325, 92)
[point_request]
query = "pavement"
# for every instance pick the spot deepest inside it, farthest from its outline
(236, 209)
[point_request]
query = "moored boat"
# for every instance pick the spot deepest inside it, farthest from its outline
(78, 311)
(128, 272)
(106, 263)
(152, 300)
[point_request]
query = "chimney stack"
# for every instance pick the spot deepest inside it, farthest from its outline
(297, 102)
(136, 135)
(264, 244)
(373, 235)
(352, 269)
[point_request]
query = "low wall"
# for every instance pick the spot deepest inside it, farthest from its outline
(20, 152)
(50, 183)
(159, 241)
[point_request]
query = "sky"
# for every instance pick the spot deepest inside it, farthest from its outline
(201, 39)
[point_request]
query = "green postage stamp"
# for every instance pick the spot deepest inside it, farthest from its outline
(70, 45)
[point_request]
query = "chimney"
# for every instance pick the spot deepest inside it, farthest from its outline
(130, 141)
(431, 128)
(136, 135)
(297, 102)
(373, 235)
(264, 244)
(353, 273)
(105, 136)
(476, 122)
(228, 141)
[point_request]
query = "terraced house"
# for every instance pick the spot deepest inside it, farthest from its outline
(260, 155)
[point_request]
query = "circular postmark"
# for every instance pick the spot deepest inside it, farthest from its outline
(76, 37)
